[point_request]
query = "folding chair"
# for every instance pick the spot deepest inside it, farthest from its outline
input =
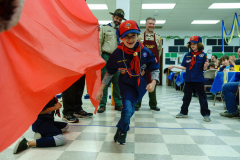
(209, 74)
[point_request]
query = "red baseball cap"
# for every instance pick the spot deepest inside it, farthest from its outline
(195, 39)
(129, 26)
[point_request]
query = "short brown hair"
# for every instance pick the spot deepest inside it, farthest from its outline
(223, 58)
(199, 45)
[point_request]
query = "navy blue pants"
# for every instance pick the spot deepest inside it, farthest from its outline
(47, 128)
(188, 90)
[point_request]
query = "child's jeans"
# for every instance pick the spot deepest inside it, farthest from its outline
(127, 112)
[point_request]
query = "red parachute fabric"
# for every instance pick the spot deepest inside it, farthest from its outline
(53, 45)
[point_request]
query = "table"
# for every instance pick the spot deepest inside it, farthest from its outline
(171, 75)
(180, 78)
(219, 80)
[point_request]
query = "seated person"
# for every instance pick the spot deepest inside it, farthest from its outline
(48, 131)
(217, 64)
(237, 60)
(225, 63)
(229, 90)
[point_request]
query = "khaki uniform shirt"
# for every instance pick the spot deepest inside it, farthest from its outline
(151, 38)
(108, 38)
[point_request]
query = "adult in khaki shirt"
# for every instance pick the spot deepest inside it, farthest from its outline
(108, 41)
(153, 42)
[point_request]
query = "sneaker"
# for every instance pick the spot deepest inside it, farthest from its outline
(21, 145)
(118, 108)
(70, 118)
(37, 135)
(121, 137)
(116, 135)
(230, 115)
(83, 114)
(223, 113)
(180, 115)
(207, 118)
(101, 109)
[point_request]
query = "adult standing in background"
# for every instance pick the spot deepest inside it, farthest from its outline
(108, 41)
(153, 42)
(72, 102)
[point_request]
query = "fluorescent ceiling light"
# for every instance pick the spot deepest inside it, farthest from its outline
(205, 21)
(104, 22)
(97, 6)
(224, 5)
(157, 21)
(159, 6)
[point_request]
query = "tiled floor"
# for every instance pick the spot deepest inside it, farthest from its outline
(153, 135)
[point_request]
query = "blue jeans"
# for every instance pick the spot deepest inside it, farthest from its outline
(229, 90)
(127, 112)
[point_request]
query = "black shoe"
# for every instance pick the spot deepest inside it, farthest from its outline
(136, 109)
(21, 145)
(83, 114)
(116, 135)
(122, 137)
(118, 108)
(70, 118)
(101, 109)
(156, 109)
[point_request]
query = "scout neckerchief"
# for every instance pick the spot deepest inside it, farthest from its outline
(117, 33)
(135, 63)
(194, 59)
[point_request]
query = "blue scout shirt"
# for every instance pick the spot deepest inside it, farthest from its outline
(196, 73)
(129, 88)
(49, 115)
(223, 67)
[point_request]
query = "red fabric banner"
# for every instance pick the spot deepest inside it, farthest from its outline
(53, 45)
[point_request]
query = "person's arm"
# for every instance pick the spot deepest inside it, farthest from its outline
(178, 67)
(160, 48)
(155, 80)
(205, 67)
(105, 81)
(53, 108)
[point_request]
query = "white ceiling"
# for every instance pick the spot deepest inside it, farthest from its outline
(179, 18)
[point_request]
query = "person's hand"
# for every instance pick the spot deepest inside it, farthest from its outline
(99, 28)
(170, 67)
(58, 106)
(232, 59)
(99, 95)
(151, 86)
(206, 64)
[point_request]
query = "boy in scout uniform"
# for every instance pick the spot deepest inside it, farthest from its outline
(194, 62)
(108, 41)
(153, 42)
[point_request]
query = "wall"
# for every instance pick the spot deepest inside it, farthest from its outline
(181, 34)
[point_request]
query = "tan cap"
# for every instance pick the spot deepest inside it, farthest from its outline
(119, 13)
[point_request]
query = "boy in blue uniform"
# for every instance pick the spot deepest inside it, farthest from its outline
(131, 59)
(48, 131)
(226, 63)
(194, 63)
